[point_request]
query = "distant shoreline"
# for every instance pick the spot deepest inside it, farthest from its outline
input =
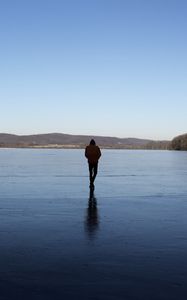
(67, 141)
(75, 147)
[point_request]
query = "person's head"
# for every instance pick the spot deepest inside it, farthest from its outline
(92, 142)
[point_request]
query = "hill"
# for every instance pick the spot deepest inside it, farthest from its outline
(60, 140)
(179, 142)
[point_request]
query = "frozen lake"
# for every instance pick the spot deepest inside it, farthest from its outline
(127, 241)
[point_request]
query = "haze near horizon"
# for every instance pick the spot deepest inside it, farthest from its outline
(109, 68)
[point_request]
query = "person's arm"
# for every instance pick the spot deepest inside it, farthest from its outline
(86, 153)
(99, 153)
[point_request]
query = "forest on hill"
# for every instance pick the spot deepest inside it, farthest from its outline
(60, 140)
(179, 142)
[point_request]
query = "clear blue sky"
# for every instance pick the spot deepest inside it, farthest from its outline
(103, 67)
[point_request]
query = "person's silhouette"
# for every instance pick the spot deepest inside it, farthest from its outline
(92, 153)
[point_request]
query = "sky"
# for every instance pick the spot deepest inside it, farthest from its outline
(94, 67)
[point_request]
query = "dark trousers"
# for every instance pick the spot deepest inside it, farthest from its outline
(93, 171)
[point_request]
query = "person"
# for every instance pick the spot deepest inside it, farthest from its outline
(92, 153)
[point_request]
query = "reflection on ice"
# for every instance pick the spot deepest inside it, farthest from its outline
(92, 217)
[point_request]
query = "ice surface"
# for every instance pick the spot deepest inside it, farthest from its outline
(126, 241)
